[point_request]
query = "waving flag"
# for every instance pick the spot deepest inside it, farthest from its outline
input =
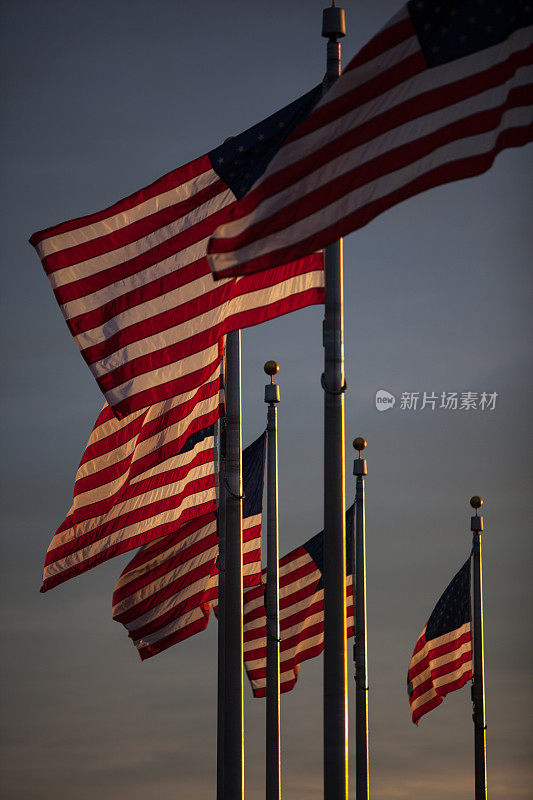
(432, 98)
(301, 612)
(134, 284)
(442, 659)
(165, 593)
(139, 478)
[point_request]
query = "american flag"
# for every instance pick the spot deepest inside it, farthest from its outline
(139, 479)
(165, 593)
(432, 98)
(301, 612)
(442, 658)
(134, 284)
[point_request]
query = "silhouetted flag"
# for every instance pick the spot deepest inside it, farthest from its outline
(442, 658)
(301, 612)
(432, 98)
(134, 284)
(165, 593)
(139, 478)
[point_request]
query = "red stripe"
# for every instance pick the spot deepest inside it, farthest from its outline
(445, 173)
(129, 491)
(204, 339)
(155, 549)
(174, 638)
(437, 700)
(172, 590)
(182, 312)
(178, 559)
(128, 233)
(102, 532)
(168, 390)
(124, 546)
(421, 106)
(372, 88)
(169, 181)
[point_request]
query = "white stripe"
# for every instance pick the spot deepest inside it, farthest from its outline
(174, 600)
(383, 144)
(161, 375)
(63, 241)
(112, 258)
(440, 683)
(379, 187)
(428, 80)
(441, 661)
(110, 490)
(129, 531)
(206, 321)
(433, 644)
(173, 627)
(139, 450)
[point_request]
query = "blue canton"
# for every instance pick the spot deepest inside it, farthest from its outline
(253, 471)
(244, 158)
(451, 29)
(197, 437)
(453, 609)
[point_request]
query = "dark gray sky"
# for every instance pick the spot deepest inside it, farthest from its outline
(100, 99)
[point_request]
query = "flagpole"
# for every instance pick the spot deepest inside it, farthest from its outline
(359, 650)
(335, 674)
(478, 684)
(221, 612)
(273, 752)
(233, 680)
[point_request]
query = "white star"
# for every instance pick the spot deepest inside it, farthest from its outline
(241, 149)
(220, 160)
(260, 137)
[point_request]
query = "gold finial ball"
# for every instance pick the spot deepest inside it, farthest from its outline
(476, 501)
(271, 368)
(359, 443)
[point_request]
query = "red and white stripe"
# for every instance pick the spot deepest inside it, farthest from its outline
(135, 288)
(438, 667)
(161, 596)
(135, 485)
(165, 593)
(388, 129)
(301, 612)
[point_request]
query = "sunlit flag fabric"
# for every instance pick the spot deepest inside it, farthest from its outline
(139, 478)
(432, 98)
(134, 284)
(301, 612)
(442, 658)
(165, 593)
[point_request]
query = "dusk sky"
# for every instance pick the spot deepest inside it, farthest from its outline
(100, 99)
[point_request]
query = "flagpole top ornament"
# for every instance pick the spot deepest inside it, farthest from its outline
(476, 522)
(359, 465)
(333, 22)
(271, 368)
(359, 444)
(271, 389)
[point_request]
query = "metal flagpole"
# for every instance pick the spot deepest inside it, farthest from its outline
(221, 525)
(233, 692)
(478, 684)
(359, 649)
(273, 753)
(335, 675)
